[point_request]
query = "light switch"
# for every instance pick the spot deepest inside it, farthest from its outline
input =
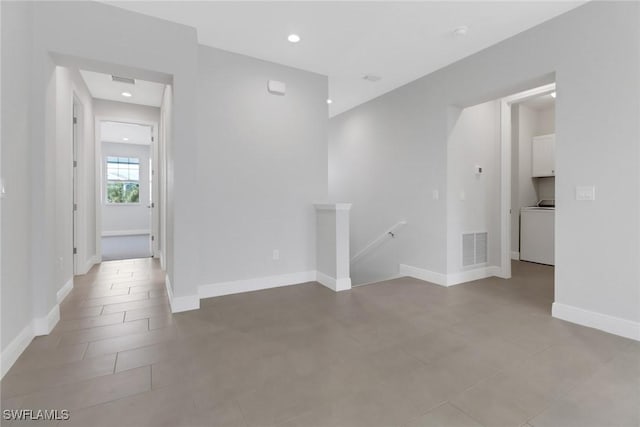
(435, 194)
(586, 192)
(463, 196)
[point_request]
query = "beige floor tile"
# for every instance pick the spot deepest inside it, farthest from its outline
(444, 415)
(35, 380)
(91, 392)
(102, 332)
(397, 353)
(88, 322)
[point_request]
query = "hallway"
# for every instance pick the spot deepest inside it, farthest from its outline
(396, 353)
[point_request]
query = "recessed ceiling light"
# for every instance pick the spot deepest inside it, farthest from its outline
(461, 31)
(329, 101)
(125, 139)
(127, 94)
(293, 38)
(553, 94)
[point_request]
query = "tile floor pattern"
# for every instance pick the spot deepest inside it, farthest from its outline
(396, 353)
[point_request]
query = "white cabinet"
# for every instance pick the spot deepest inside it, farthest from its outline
(543, 156)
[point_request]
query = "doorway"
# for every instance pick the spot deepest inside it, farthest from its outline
(528, 184)
(127, 199)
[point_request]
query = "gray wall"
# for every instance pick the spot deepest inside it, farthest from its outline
(262, 162)
(389, 153)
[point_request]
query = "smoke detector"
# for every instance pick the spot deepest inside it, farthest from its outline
(372, 78)
(461, 31)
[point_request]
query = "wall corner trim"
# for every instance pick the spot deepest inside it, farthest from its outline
(38, 326)
(180, 304)
(604, 322)
(65, 290)
(448, 279)
(422, 274)
(337, 285)
(44, 325)
(515, 255)
(15, 348)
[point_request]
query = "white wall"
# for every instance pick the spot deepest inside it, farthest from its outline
(15, 155)
(119, 111)
(521, 181)
(109, 39)
(473, 200)
(165, 242)
(389, 153)
(118, 218)
(262, 162)
(69, 83)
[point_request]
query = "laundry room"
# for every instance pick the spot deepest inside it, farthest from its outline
(533, 179)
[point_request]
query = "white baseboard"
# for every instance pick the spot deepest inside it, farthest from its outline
(515, 255)
(422, 274)
(448, 279)
(16, 347)
(117, 233)
(248, 285)
(64, 291)
(336, 285)
(44, 325)
(38, 326)
(604, 322)
(471, 275)
(180, 304)
(93, 260)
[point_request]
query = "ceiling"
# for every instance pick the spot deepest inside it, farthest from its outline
(398, 41)
(143, 92)
(541, 102)
(126, 133)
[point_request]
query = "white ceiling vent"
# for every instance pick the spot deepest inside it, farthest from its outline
(372, 78)
(474, 249)
(126, 80)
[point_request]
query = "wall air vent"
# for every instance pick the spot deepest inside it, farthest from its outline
(474, 249)
(126, 80)
(372, 78)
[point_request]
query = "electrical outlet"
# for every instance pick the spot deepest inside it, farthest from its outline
(276, 255)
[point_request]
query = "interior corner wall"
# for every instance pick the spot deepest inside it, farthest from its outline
(262, 163)
(16, 298)
(388, 154)
(473, 200)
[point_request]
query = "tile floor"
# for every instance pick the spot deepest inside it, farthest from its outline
(396, 353)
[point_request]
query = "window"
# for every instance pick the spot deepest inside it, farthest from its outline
(123, 180)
